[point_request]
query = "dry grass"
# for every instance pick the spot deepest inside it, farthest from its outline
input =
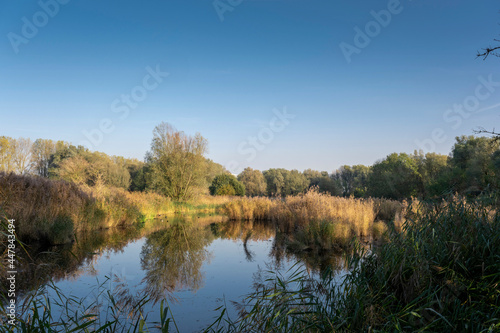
(45, 209)
(123, 207)
(349, 215)
(52, 210)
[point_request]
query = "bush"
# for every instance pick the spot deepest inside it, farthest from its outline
(226, 185)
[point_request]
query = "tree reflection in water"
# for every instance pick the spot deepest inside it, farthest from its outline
(172, 259)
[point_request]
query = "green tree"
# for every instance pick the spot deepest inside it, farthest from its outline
(435, 172)
(322, 181)
(177, 162)
(275, 181)
(138, 174)
(41, 152)
(226, 185)
(254, 182)
(352, 180)
(213, 169)
(395, 177)
(472, 163)
(295, 182)
(173, 258)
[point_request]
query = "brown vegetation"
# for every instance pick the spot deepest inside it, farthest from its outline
(52, 210)
(348, 215)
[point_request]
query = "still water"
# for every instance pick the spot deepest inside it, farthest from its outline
(195, 264)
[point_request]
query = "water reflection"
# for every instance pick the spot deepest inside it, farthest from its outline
(172, 259)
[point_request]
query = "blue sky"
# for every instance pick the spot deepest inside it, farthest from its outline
(227, 79)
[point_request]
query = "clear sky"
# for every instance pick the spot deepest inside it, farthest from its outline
(351, 80)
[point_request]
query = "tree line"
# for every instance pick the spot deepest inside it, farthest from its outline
(176, 167)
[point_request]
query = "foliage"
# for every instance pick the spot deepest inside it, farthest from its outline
(254, 182)
(352, 180)
(395, 177)
(227, 185)
(15, 155)
(79, 165)
(177, 162)
(472, 159)
(285, 182)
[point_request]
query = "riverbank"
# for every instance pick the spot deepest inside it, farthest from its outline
(51, 211)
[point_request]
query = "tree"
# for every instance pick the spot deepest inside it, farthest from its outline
(177, 162)
(295, 182)
(138, 171)
(353, 180)
(212, 170)
(254, 182)
(74, 169)
(15, 155)
(435, 173)
(80, 165)
(472, 163)
(22, 155)
(490, 50)
(395, 177)
(6, 154)
(275, 181)
(226, 185)
(41, 152)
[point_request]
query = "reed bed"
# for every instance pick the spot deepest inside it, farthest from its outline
(348, 215)
(53, 210)
(47, 210)
(440, 274)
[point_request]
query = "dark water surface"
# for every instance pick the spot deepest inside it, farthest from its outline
(196, 264)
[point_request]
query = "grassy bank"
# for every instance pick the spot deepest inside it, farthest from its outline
(52, 211)
(441, 273)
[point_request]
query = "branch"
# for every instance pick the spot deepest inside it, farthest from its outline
(481, 130)
(488, 51)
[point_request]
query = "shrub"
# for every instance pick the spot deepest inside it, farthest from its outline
(226, 185)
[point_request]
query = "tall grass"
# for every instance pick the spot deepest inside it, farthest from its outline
(53, 210)
(45, 209)
(348, 215)
(441, 273)
(123, 207)
(48, 309)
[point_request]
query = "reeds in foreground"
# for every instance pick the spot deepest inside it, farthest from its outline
(441, 274)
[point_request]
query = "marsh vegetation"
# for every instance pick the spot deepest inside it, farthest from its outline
(410, 243)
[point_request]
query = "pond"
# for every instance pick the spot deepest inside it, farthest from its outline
(195, 264)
